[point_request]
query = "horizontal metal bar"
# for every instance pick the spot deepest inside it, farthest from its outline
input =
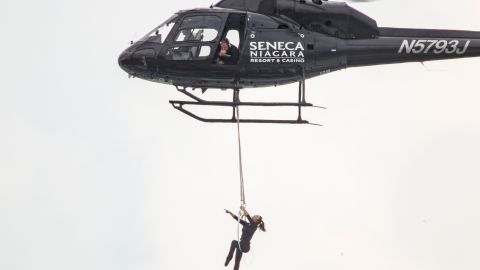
(233, 120)
(234, 104)
(178, 104)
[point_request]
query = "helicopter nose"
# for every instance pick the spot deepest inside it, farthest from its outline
(124, 61)
(138, 61)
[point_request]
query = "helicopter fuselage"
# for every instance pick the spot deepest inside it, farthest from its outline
(280, 44)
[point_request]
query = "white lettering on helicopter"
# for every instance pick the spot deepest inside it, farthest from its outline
(280, 46)
(435, 46)
(276, 52)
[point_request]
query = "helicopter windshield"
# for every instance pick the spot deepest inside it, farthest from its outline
(160, 33)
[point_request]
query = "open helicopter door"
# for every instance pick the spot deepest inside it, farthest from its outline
(234, 29)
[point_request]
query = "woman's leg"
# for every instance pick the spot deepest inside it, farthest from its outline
(233, 247)
(238, 258)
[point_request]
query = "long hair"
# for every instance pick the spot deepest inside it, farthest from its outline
(261, 225)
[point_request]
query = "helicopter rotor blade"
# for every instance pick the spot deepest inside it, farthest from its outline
(361, 1)
(348, 1)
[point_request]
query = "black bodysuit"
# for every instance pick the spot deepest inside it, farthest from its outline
(248, 230)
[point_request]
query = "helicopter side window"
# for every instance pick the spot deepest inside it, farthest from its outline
(234, 37)
(188, 53)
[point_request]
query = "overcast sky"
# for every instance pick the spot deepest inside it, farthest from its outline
(97, 171)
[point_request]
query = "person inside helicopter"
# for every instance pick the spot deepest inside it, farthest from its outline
(228, 53)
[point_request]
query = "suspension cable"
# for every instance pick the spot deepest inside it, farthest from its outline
(240, 162)
(240, 165)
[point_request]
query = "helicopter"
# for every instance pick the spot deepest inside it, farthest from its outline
(279, 42)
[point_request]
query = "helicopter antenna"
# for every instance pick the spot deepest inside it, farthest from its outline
(429, 69)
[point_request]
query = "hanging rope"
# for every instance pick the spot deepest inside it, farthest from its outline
(240, 165)
(240, 162)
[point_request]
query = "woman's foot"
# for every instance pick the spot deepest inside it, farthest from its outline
(227, 261)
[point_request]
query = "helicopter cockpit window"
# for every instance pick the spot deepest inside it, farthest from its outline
(196, 34)
(194, 29)
(209, 21)
(159, 34)
(199, 28)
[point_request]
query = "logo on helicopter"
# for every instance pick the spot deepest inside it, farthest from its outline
(276, 52)
(435, 46)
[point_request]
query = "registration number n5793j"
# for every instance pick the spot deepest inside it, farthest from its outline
(435, 46)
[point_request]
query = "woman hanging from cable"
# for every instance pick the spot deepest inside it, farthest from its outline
(249, 228)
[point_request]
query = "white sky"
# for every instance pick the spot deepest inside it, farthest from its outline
(99, 172)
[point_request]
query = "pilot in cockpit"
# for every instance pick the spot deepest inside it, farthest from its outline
(228, 54)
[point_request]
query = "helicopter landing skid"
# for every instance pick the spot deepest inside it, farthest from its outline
(179, 105)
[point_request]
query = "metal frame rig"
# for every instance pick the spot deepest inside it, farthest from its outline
(236, 103)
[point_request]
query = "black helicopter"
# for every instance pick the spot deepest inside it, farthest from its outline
(279, 42)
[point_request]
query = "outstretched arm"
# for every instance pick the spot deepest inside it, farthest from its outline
(230, 213)
(235, 217)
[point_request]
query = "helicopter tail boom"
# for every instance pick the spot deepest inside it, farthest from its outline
(400, 45)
